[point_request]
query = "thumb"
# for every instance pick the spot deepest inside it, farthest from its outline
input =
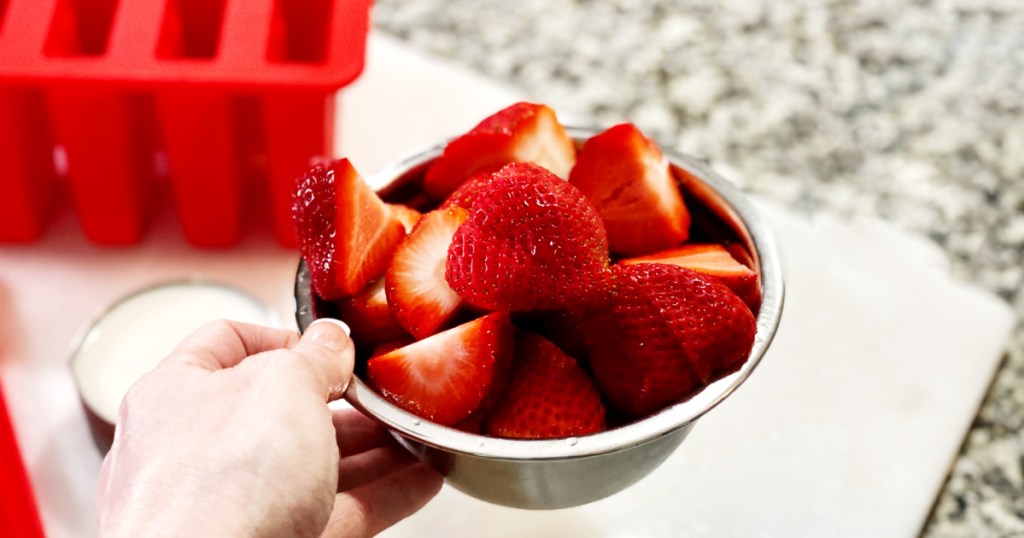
(328, 351)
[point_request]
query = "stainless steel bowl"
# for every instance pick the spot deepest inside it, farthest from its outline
(568, 472)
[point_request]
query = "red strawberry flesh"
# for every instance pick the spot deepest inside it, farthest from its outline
(406, 215)
(628, 180)
(446, 377)
(369, 316)
(523, 132)
(417, 291)
(346, 233)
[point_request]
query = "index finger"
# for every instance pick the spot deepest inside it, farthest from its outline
(223, 343)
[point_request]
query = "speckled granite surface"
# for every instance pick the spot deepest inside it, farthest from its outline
(908, 110)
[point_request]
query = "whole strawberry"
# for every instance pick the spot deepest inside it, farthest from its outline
(667, 332)
(532, 241)
(549, 397)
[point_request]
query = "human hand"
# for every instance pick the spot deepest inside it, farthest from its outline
(231, 436)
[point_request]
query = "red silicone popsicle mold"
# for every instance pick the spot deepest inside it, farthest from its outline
(225, 90)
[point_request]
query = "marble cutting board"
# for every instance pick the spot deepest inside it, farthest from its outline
(846, 429)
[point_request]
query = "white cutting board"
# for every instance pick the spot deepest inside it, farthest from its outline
(847, 428)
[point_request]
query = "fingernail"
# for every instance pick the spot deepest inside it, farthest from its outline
(344, 326)
(325, 332)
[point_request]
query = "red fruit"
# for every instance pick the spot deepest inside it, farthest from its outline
(473, 424)
(465, 195)
(549, 397)
(668, 331)
(416, 289)
(628, 180)
(346, 233)
(713, 260)
(523, 132)
(406, 215)
(741, 254)
(564, 328)
(444, 378)
(388, 347)
(368, 315)
(532, 241)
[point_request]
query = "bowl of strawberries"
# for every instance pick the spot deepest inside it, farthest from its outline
(540, 313)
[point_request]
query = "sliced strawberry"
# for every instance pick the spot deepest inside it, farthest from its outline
(628, 180)
(713, 260)
(346, 233)
(444, 378)
(532, 241)
(406, 215)
(388, 347)
(465, 195)
(416, 288)
(368, 315)
(741, 254)
(668, 331)
(523, 132)
(549, 397)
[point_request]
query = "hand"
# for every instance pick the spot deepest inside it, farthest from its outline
(231, 436)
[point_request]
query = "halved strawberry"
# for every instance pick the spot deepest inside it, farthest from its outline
(549, 396)
(628, 180)
(523, 132)
(532, 241)
(668, 331)
(444, 378)
(416, 288)
(713, 260)
(407, 215)
(346, 233)
(368, 315)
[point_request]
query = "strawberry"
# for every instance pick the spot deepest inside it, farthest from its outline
(668, 331)
(406, 215)
(389, 346)
(473, 424)
(741, 254)
(444, 378)
(465, 195)
(416, 288)
(549, 396)
(713, 260)
(628, 180)
(346, 233)
(523, 132)
(564, 329)
(368, 315)
(532, 241)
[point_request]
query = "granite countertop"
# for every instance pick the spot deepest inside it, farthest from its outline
(912, 111)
